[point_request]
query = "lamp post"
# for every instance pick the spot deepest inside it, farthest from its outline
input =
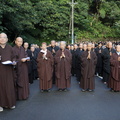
(72, 35)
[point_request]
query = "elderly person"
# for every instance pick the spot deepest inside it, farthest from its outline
(63, 59)
(114, 81)
(7, 90)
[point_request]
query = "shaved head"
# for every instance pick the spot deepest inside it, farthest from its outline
(19, 41)
(109, 45)
(53, 43)
(89, 46)
(118, 48)
(3, 38)
(26, 45)
(62, 45)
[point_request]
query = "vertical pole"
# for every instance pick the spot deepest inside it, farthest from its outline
(72, 22)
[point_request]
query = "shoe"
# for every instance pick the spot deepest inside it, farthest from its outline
(48, 90)
(60, 90)
(1, 109)
(100, 77)
(65, 90)
(90, 90)
(42, 91)
(105, 83)
(83, 90)
(13, 107)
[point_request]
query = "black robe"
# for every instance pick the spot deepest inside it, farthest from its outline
(29, 54)
(34, 73)
(56, 48)
(99, 65)
(78, 64)
(106, 63)
(74, 63)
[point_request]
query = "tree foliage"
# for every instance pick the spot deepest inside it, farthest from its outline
(44, 20)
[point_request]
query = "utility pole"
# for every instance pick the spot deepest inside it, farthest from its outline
(72, 35)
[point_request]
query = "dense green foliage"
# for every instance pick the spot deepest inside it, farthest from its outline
(43, 20)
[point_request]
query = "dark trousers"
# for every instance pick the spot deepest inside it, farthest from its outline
(105, 76)
(99, 71)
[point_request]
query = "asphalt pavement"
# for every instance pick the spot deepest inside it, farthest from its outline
(71, 105)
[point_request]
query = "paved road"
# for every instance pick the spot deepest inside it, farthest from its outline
(72, 105)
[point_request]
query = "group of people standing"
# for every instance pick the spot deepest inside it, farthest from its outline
(54, 64)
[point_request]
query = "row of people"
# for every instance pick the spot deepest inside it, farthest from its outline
(52, 65)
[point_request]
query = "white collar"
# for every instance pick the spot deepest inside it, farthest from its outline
(44, 51)
(118, 53)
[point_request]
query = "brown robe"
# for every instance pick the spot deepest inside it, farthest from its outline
(63, 69)
(88, 70)
(114, 81)
(21, 74)
(45, 70)
(7, 89)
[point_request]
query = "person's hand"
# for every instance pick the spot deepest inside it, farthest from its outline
(14, 63)
(99, 51)
(118, 58)
(88, 57)
(23, 60)
(110, 53)
(43, 55)
(53, 50)
(28, 59)
(63, 55)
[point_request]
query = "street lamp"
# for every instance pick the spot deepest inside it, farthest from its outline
(72, 35)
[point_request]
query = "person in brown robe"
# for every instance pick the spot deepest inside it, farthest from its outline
(88, 63)
(45, 68)
(63, 61)
(114, 81)
(22, 80)
(7, 89)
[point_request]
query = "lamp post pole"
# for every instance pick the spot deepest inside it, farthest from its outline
(72, 35)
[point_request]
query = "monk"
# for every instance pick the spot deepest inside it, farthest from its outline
(88, 64)
(78, 68)
(114, 81)
(99, 65)
(21, 70)
(106, 54)
(45, 68)
(7, 89)
(53, 49)
(63, 60)
(29, 54)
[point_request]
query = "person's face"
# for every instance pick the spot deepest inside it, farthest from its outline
(68, 46)
(26, 45)
(75, 47)
(110, 45)
(93, 45)
(19, 42)
(89, 46)
(100, 45)
(118, 48)
(3, 39)
(71, 47)
(85, 47)
(32, 49)
(62, 46)
(56, 44)
(44, 46)
(53, 43)
(81, 46)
